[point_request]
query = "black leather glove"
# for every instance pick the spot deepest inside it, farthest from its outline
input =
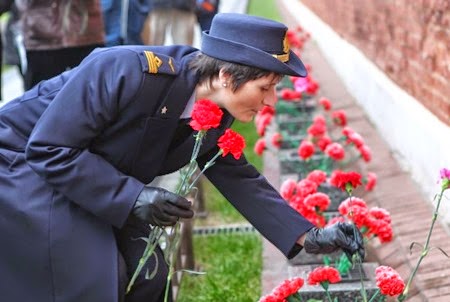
(160, 207)
(341, 235)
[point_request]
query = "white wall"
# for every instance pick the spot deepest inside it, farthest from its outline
(420, 140)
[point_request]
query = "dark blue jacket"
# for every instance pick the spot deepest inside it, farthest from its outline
(75, 152)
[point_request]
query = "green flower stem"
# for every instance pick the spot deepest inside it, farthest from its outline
(183, 189)
(328, 295)
(171, 257)
(173, 240)
(360, 268)
(294, 298)
(207, 165)
(190, 170)
(425, 249)
(375, 295)
(152, 242)
(349, 189)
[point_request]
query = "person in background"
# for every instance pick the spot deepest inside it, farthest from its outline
(205, 11)
(112, 19)
(58, 35)
(78, 150)
(178, 16)
(5, 6)
(124, 21)
(12, 38)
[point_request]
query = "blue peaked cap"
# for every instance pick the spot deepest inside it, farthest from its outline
(252, 41)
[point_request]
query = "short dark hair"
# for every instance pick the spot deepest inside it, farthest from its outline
(208, 68)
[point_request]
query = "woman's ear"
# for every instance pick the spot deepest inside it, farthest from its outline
(224, 78)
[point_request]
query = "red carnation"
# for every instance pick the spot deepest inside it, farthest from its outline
(267, 110)
(323, 142)
(289, 94)
(205, 115)
(287, 288)
(260, 146)
(335, 151)
(324, 274)
(371, 181)
(317, 176)
(356, 139)
(262, 122)
(339, 117)
(306, 149)
(318, 200)
(326, 104)
(343, 179)
(365, 152)
(231, 142)
(288, 188)
(389, 281)
(306, 187)
(277, 139)
(317, 129)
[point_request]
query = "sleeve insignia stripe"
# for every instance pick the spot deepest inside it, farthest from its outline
(171, 65)
(153, 62)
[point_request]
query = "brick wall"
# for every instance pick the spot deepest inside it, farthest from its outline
(408, 40)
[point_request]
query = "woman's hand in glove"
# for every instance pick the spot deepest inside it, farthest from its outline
(341, 235)
(160, 207)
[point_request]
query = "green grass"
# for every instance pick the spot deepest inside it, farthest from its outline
(233, 263)
(267, 10)
(233, 268)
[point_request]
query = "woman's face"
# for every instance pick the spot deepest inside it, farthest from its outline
(249, 98)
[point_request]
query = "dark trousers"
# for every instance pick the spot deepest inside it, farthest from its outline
(45, 64)
(130, 251)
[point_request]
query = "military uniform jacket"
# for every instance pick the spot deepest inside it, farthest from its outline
(75, 152)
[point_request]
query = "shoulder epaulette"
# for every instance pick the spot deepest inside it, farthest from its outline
(158, 63)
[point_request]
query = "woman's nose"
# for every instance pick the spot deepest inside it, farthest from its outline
(271, 98)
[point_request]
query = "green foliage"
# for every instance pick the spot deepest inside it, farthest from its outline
(264, 8)
(220, 211)
(248, 131)
(232, 263)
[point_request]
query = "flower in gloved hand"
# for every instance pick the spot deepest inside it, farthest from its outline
(341, 235)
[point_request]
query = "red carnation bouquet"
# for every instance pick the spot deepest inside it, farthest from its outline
(206, 115)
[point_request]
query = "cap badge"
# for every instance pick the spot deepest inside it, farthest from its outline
(285, 56)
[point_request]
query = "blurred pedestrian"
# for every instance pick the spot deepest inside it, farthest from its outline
(205, 11)
(58, 35)
(124, 21)
(174, 16)
(5, 6)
